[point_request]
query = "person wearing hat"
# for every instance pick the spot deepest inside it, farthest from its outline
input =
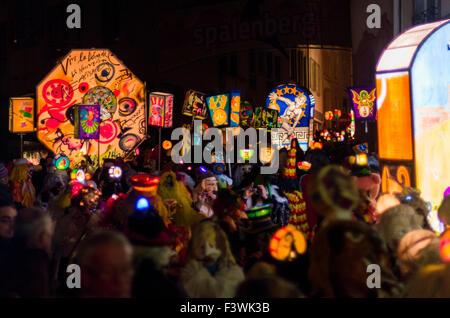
(205, 193)
(153, 246)
(22, 188)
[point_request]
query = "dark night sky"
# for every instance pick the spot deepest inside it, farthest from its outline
(34, 35)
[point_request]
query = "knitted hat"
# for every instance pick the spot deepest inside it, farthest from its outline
(3, 171)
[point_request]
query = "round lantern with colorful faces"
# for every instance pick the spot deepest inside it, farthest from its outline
(61, 162)
(79, 175)
(287, 243)
(115, 172)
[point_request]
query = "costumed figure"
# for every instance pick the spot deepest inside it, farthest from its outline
(170, 188)
(211, 269)
(153, 253)
(334, 194)
(369, 184)
(205, 193)
(340, 255)
(22, 189)
(289, 183)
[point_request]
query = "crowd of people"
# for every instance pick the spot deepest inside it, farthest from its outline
(201, 231)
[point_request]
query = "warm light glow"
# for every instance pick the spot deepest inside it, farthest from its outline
(167, 144)
(115, 172)
(287, 243)
(394, 117)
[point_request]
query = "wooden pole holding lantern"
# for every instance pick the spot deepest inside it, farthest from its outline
(159, 152)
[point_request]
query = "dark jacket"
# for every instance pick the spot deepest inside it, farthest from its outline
(25, 273)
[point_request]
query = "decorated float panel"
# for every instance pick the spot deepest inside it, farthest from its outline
(91, 77)
(413, 97)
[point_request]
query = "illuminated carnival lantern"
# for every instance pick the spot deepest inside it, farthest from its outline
(287, 243)
(295, 106)
(61, 162)
(87, 121)
(115, 172)
(224, 109)
(195, 105)
(413, 115)
(160, 109)
(444, 247)
(21, 115)
(265, 118)
(91, 77)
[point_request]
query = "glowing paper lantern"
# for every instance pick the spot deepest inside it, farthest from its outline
(287, 243)
(167, 144)
(219, 109)
(304, 165)
(246, 154)
(91, 77)
(414, 116)
(295, 106)
(61, 162)
(265, 155)
(80, 176)
(265, 118)
(160, 109)
(363, 102)
(316, 145)
(246, 114)
(361, 148)
(361, 159)
(444, 246)
(235, 108)
(337, 113)
(195, 105)
(144, 183)
(21, 115)
(87, 122)
(115, 172)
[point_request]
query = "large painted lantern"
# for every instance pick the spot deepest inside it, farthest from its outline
(413, 89)
(224, 109)
(21, 115)
(160, 109)
(295, 106)
(91, 77)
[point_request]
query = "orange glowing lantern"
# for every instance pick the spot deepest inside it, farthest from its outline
(444, 246)
(167, 144)
(287, 243)
(145, 183)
